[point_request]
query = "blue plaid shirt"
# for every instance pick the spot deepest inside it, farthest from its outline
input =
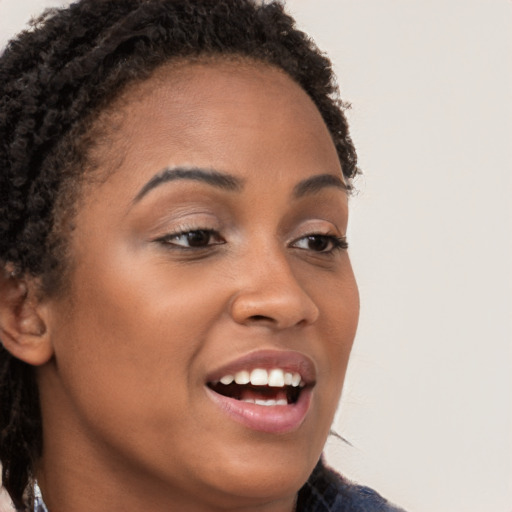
(325, 491)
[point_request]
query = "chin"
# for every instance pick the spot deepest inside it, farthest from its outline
(257, 486)
(265, 475)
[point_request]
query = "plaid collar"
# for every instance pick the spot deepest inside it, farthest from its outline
(39, 505)
(327, 491)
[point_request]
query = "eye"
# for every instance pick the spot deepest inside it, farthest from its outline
(321, 243)
(193, 239)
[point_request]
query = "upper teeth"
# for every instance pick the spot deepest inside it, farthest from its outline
(260, 377)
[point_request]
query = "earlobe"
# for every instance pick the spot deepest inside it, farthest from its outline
(23, 329)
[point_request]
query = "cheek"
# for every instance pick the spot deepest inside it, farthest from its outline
(337, 297)
(131, 333)
(343, 315)
(340, 307)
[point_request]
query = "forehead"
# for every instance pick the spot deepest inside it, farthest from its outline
(233, 115)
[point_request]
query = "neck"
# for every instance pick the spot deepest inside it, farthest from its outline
(130, 502)
(81, 481)
(80, 471)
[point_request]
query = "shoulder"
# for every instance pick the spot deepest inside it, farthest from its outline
(327, 491)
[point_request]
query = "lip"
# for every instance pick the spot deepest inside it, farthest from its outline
(277, 419)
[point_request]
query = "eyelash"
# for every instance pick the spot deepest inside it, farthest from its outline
(337, 243)
(334, 243)
(209, 233)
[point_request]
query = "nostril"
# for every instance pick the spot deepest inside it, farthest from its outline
(275, 307)
(259, 318)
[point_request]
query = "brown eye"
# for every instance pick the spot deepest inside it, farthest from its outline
(195, 239)
(320, 243)
(198, 238)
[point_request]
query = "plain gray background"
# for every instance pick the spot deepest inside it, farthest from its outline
(427, 402)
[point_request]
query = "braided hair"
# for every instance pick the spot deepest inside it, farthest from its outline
(55, 78)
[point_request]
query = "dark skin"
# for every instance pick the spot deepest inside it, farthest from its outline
(174, 275)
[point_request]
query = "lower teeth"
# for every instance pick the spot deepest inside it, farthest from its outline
(260, 395)
(265, 402)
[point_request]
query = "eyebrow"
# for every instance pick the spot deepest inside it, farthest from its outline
(209, 176)
(317, 183)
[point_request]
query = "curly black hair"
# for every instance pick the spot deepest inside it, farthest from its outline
(55, 78)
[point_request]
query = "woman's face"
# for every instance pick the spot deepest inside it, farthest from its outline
(212, 250)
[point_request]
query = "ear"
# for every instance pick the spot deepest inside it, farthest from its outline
(23, 330)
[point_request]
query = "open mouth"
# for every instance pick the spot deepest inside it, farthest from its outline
(267, 387)
(268, 391)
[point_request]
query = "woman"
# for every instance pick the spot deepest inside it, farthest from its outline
(178, 305)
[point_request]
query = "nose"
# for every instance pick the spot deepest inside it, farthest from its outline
(268, 293)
